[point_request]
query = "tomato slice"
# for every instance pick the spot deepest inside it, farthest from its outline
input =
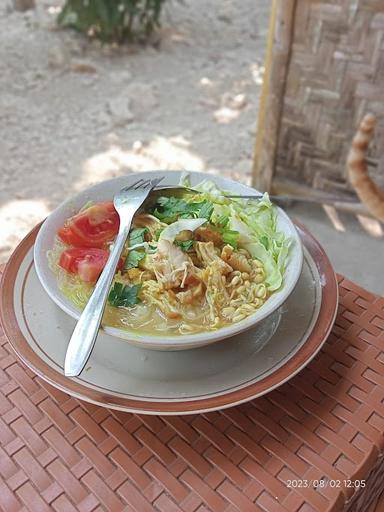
(86, 262)
(93, 227)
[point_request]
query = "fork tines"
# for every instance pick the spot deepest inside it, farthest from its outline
(144, 183)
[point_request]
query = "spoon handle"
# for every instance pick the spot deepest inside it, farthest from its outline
(85, 333)
(302, 199)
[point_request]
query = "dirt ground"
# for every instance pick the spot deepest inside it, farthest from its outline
(73, 113)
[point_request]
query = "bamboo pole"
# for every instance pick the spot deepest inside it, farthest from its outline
(277, 60)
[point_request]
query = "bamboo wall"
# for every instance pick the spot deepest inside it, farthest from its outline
(329, 58)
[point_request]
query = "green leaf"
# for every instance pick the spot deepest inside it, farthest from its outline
(124, 295)
(222, 221)
(169, 209)
(231, 237)
(133, 259)
(112, 20)
(206, 210)
(103, 12)
(185, 246)
(136, 236)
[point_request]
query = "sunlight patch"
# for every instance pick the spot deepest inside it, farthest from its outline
(172, 153)
(17, 218)
(372, 226)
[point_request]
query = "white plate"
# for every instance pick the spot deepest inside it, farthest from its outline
(122, 376)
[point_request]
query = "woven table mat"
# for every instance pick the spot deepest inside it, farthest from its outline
(326, 425)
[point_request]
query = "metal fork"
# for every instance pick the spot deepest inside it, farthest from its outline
(83, 338)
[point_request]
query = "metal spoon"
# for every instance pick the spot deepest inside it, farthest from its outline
(180, 191)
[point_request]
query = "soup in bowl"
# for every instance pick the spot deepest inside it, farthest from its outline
(196, 267)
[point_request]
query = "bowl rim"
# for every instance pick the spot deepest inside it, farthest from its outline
(154, 341)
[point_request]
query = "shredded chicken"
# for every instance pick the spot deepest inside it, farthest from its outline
(171, 265)
(207, 234)
(216, 294)
(136, 275)
(175, 256)
(191, 295)
(153, 293)
(237, 260)
(206, 253)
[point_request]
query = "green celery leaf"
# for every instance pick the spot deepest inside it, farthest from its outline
(136, 236)
(169, 209)
(133, 259)
(205, 210)
(124, 295)
(222, 221)
(185, 245)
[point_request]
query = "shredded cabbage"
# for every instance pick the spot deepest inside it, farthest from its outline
(255, 222)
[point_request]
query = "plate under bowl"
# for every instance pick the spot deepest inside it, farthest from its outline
(105, 192)
(122, 376)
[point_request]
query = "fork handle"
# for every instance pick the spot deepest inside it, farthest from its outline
(85, 333)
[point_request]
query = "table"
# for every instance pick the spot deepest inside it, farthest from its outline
(310, 445)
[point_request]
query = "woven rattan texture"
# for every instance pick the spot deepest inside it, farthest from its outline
(58, 453)
(335, 75)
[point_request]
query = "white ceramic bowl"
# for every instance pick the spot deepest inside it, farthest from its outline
(105, 192)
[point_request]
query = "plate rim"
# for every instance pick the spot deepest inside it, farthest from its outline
(314, 342)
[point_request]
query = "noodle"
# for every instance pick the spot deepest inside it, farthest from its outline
(197, 264)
